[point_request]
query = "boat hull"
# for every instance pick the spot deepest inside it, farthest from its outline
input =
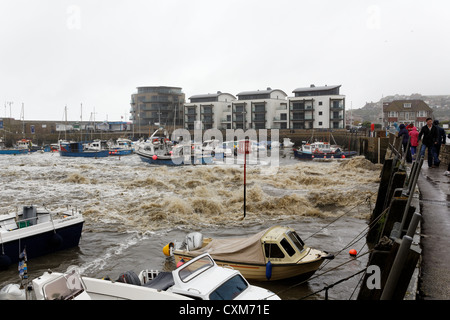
(43, 241)
(331, 155)
(13, 151)
(257, 272)
(86, 154)
(119, 152)
(174, 161)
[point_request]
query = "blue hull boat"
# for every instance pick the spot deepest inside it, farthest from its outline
(75, 149)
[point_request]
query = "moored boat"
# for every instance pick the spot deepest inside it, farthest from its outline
(76, 149)
(121, 147)
(321, 150)
(200, 278)
(276, 253)
(40, 232)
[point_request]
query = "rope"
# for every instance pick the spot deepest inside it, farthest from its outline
(355, 240)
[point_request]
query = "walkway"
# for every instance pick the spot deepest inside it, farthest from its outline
(434, 190)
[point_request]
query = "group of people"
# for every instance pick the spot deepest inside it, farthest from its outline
(432, 136)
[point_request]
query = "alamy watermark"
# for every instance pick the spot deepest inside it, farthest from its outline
(229, 150)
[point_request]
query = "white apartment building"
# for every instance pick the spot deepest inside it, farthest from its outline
(311, 107)
(209, 111)
(317, 107)
(261, 109)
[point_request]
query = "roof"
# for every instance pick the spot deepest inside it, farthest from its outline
(398, 105)
(209, 95)
(314, 88)
(256, 92)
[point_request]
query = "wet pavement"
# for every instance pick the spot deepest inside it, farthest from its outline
(434, 279)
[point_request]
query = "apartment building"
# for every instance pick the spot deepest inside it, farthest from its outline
(317, 107)
(157, 105)
(261, 109)
(208, 111)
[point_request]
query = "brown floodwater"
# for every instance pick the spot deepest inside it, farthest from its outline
(133, 209)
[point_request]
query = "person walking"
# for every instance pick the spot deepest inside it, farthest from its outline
(414, 141)
(440, 140)
(430, 136)
(405, 137)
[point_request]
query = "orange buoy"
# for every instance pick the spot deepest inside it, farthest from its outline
(155, 157)
(352, 252)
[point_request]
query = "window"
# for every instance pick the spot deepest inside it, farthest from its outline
(230, 289)
(407, 105)
(287, 247)
(283, 116)
(272, 250)
(320, 123)
(320, 113)
(320, 103)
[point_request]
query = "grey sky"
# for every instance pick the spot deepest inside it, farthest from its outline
(55, 53)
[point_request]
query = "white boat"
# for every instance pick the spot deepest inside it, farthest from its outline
(40, 232)
(200, 278)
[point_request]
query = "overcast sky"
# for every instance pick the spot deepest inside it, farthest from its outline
(55, 53)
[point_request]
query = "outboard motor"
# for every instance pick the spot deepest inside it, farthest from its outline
(194, 240)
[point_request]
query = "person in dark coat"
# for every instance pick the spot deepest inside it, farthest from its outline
(430, 138)
(405, 139)
(441, 138)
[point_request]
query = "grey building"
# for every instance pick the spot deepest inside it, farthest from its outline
(158, 105)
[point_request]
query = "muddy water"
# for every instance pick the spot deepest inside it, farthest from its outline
(133, 209)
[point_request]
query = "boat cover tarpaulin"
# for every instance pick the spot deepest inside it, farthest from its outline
(245, 250)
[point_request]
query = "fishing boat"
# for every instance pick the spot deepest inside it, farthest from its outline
(320, 150)
(200, 278)
(40, 232)
(13, 151)
(121, 147)
(28, 145)
(76, 149)
(276, 253)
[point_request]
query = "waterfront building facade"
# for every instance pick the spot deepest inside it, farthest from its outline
(157, 105)
(208, 111)
(317, 108)
(406, 111)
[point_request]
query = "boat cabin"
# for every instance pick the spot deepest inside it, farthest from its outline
(281, 244)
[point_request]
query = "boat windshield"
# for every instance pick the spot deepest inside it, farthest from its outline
(229, 289)
(296, 240)
(65, 287)
(191, 270)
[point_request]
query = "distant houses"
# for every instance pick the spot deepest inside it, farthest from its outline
(406, 111)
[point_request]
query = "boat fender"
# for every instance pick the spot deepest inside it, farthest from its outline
(268, 270)
(129, 277)
(168, 249)
(5, 261)
(180, 263)
(56, 241)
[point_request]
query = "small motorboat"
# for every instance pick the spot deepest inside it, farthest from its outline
(40, 232)
(321, 150)
(276, 253)
(121, 147)
(200, 278)
(76, 149)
